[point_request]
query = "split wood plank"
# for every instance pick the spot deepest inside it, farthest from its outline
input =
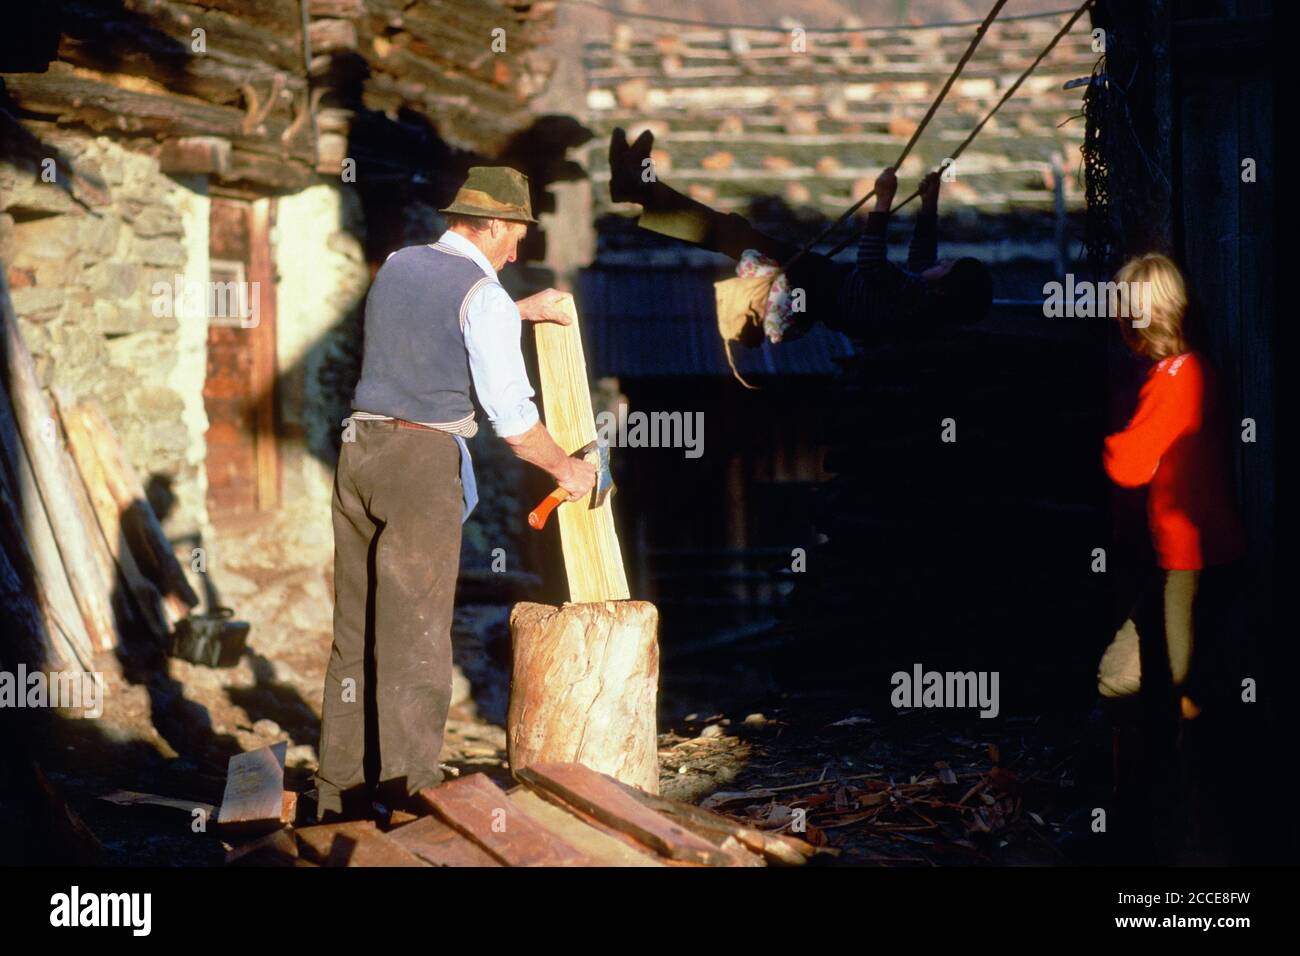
(370, 849)
(601, 847)
(279, 848)
(254, 794)
(38, 435)
(78, 424)
(351, 843)
(604, 799)
(592, 559)
(138, 523)
(478, 809)
(773, 846)
(584, 686)
(434, 842)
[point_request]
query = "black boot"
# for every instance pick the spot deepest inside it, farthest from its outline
(627, 165)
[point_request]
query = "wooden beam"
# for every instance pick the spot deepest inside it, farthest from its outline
(254, 794)
(261, 270)
(435, 842)
(479, 810)
(109, 102)
(774, 846)
(139, 524)
(605, 849)
(78, 423)
(592, 558)
(604, 799)
(39, 438)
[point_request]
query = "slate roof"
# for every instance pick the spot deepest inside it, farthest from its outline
(737, 116)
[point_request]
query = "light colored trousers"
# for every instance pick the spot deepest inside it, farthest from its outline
(1120, 672)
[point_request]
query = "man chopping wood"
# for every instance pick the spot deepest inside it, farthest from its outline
(437, 320)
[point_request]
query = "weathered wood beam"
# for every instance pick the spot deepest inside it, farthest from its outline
(78, 424)
(281, 47)
(110, 42)
(206, 155)
(139, 524)
(98, 101)
(38, 435)
(332, 36)
(349, 9)
(282, 16)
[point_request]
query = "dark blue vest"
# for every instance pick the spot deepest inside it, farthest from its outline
(414, 364)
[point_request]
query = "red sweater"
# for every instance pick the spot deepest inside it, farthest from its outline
(1176, 442)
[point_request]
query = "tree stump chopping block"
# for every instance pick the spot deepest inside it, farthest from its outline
(584, 688)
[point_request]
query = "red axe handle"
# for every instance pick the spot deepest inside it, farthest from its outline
(537, 517)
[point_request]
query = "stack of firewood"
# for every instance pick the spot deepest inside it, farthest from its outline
(84, 563)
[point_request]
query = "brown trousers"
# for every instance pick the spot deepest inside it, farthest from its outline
(397, 528)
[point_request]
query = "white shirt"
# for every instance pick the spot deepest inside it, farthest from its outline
(496, 362)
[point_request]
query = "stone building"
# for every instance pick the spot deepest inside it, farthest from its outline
(150, 148)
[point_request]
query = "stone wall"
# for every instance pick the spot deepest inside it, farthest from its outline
(82, 275)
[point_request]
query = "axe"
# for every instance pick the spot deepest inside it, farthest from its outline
(604, 487)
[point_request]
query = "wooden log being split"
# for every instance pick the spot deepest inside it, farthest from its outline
(584, 688)
(585, 681)
(592, 558)
(38, 437)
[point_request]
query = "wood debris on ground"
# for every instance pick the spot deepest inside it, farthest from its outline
(563, 814)
(967, 808)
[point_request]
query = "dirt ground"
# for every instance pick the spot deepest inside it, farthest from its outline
(899, 788)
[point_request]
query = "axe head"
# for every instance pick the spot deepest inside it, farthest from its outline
(604, 479)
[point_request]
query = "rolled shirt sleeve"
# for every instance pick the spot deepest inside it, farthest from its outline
(496, 361)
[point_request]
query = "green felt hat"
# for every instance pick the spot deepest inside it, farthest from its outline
(494, 192)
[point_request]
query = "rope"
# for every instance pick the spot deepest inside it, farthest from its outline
(997, 106)
(763, 28)
(916, 134)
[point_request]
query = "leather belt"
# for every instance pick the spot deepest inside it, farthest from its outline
(403, 423)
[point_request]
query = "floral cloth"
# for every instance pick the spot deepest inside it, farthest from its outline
(780, 321)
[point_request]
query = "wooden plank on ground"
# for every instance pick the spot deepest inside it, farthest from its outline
(434, 842)
(775, 847)
(592, 558)
(254, 794)
(352, 843)
(478, 809)
(604, 799)
(370, 849)
(279, 848)
(317, 843)
(601, 847)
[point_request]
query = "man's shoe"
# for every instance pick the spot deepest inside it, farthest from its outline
(627, 165)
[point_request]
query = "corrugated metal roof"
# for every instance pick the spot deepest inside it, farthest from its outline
(650, 322)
